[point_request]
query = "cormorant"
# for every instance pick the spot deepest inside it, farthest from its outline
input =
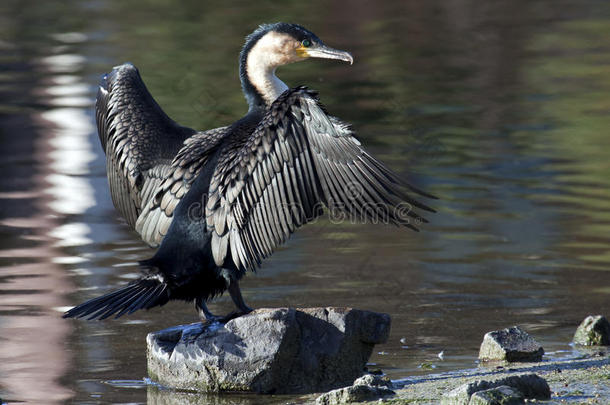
(218, 202)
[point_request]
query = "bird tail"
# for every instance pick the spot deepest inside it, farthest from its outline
(144, 293)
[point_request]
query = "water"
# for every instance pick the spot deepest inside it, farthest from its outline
(501, 108)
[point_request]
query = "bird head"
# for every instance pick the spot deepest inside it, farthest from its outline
(285, 43)
(271, 46)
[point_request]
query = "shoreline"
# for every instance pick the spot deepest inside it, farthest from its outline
(572, 380)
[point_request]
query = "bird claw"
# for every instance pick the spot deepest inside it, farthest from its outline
(212, 319)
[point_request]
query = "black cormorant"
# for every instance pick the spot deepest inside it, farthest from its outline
(218, 202)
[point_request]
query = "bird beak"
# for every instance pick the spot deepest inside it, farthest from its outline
(325, 52)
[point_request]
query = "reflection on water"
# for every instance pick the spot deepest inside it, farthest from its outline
(501, 109)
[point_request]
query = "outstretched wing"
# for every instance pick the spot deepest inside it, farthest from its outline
(158, 210)
(298, 159)
(139, 139)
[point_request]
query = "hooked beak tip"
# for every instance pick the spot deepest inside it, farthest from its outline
(346, 57)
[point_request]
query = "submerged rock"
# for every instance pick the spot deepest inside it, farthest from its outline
(593, 331)
(530, 386)
(511, 344)
(278, 350)
(366, 388)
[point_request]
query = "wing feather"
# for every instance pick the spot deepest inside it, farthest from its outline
(137, 137)
(177, 178)
(297, 160)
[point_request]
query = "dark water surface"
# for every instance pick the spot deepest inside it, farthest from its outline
(500, 108)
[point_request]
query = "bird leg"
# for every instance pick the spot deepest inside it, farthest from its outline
(232, 283)
(204, 313)
(233, 287)
(238, 300)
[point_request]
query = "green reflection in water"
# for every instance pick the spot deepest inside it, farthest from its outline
(569, 60)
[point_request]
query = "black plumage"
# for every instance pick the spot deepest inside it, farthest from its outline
(218, 202)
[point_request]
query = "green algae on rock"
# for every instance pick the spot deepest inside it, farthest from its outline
(593, 331)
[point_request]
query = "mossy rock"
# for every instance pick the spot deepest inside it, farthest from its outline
(593, 331)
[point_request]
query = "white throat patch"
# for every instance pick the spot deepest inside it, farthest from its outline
(272, 50)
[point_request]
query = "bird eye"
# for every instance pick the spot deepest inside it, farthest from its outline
(306, 43)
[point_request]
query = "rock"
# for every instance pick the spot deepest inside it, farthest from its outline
(374, 380)
(366, 388)
(355, 393)
(502, 395)
(278, 350)
(531, 386)
(511, 344)
(593, 331)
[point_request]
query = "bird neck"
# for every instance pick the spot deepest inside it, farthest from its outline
(257, 73)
